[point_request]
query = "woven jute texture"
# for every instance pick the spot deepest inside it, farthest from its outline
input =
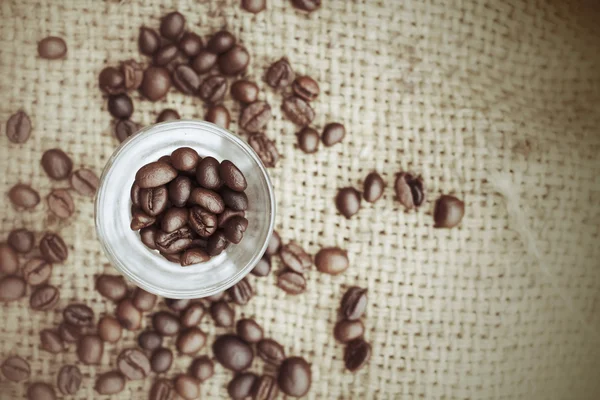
(495, 101)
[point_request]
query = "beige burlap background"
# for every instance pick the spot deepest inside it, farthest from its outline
(495, 101)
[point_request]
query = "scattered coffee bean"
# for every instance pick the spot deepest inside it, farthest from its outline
(332, 260)
(172, 25)
(57, 164)
(237, 201)
(85, 182)
(221, 42)
(125, 128)
(233, 353)
(16, 369)
(241, 292)
(18, 127)
(90, 349)
(149, 340)
(69, 379)
(179, 190)
(129, 316)
(307, 5)
(69, 333)
(295, 258)
(187, 387)
(23, 196)
(291, 282)
(21, 240)
(192, 315)
(207, 173)
(156, 83)
(44, 298)
(12, 288)
(294, 377)
(204, 61)
(333, 133)
(113, 287)
(133, 73)
(9, 259)
(61, 203)
(449, 211)
(410, 190)
(40, 391)
(177, 304)
(161, 360)
(52, 48)
(78, 315)
(265, 388)
(234, 229)
(216, 297)
(186, 79)
(346, 331)
(109, 329)
(148, 41)
(165, 323)
(213, 89)
(172, 220)
(308, 140)
(51, 341)
(262, 267)
(240, 387)
(190, 44)
(357, 354)
(306, 88)
(234, 61)
(270, 351)
(155, 174)
(218, 115)
(222, 313)
(142, 300)
(153, 201)
(120, 106)
(255, 116)
(373, 187)
(249, 330)
(110, 383)
(191, 341)
(354, 303)
(254, 6)
(167, 115)
(53, 248)
(37, 271)
(162, 389)
(298, 110)
(133, 364)
(244, 91)
(202, 368)
(274, 244)
(280, 74)
(347, 201)
(111, 80)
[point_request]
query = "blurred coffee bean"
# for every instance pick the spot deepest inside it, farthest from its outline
(332, 260)
(149, 340)
(111, 80)
(69, 333)
(265, 148)
(265, 388)
(133, 364)
(249, 330)
(233, 353)
(333, 133)
(109, 329)
(274, 244)
(255, 116)
(177, 304)
(52, 48)
(356, 354)
(234, 61)
(162, 389)
(113, 287)
(161, 360)
(346, 331)
(190, 44)
(125, 128)
(37, 271)
(202, 368)
(241, 292)
(120, 106)
(167, 114)
(221, 42)
(185, 79)
(254, 6)
(15, 369)
(129, 316)
(142, 300)
(43, 297)
(51, 341)
(308, 140)
(192, 315)
(187, 387)
(90, 349)
(240, 387)
(190, 341)
(291, 282)
(270, 351)
(148, 41)
(307, 5)
(85, 182)
(133, 73)
(204, 61)
(213, 89)
(295, 258)
(172, 25)
(449, 211)
(295, 377)
(23, 196)
(165, 323)
(40, 391)
(218, 115)
(156, 83)
(110, 383)
(21, 240)
(222, 313)
(53, 248)
(57, 164)
(9, 259)
(244, 91)
(347, 201)
(69, 380)
(18, 127)
(262, 267)
(61, 203)
(194, 256)
(78, 315)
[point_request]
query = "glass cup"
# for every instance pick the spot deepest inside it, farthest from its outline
(147, 268)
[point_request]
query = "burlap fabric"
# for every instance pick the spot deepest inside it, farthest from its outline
(494, 101)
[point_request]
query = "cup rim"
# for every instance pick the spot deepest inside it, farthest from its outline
(120, 266)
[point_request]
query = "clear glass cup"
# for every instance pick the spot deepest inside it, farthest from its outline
(147, 268)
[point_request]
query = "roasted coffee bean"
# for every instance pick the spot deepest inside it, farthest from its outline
(140, 220)
(69, 333)
(69, 380)
(90, 349)
(191, 341)
(134, 194)
(177, 304)
(274, 244)
(244, 91)
(265, 388)
(111, 80)
(57, 164)
(232, 177)
(162, 389)
(167, 114)
(112, 287)
(333, 133)
(142, 300)
(51, 341)
(190, 44)
(149, 340)
(204, 61)
(218, 115)
(347, 201)
(356, 354)
(207, 173)
(9, 259)
(410, 190)
(255, 116)
(241, 292)
(373, 187)
(174, 242)
(110, 383)
(280, 74)
(215, 297)
(125, 128)
(161, 360)
(294, 377)
(187, 387)
(222, 313)
(213, 89)
(53, 248)
(202, 368)
(346, 331)
(12, 288)
(156, 83)
(332, 260)
(52, 48)
(18, 127)
(21, 240)
(133, 364)
(216, 243)
(307, 5)
(133, 72)
(306, 87)
(109, 329)
(237, 201)
(16, 369)
(254, 6)
(291, 282)
(207, 199)
(354, 303)
(148, 41)
(155, 174)
(179, 190)
(192, 315)
(270, 351)
(165, 323)
(234, 229)
(44, 298)
(263, 267)
(153, 201)
(173, 219)
(203, 222)
(295, 258)
(85, 182)
(233, 353)
(120, 106)
(186, 79)
(78, 315)
(298, 110)
(449, 211)
(265, 148)
(172, 25)
(249, 330)
(234, 61)
(23, 196)
(61, 203)
(227, 214)
(308, 140)
(129, 316)
(175, 258)
(40, 391)
(194, 256)
(221, 42)
(240, 387)
(148, 236)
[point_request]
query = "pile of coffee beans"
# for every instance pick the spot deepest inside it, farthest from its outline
(189, 208)
(350, 329)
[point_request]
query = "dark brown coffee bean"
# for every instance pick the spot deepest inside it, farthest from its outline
(134, 194)
(255, 116)
(232, 177)
(142, 300)
(244, 91)
(129, 316)
(53, 248)
(265, 148)
(167, 115)
(333, 133)
(222, 313)
(298, 110)
(190, 44)
(21, 240)
(295, 258)
(270, 351)
(110, 383)
(216, 243)
(234, 61)
(280, 74)
(140, 219)
(156, 83)
(249, 330)
(192, 315)
(90, 349)
(373, 187)
(172, 25)
(44, 298)
(174, 242)
(306, 88)
(113, 287)
(148, 235)
(148, 41)
(174, 219)
(233, 353)
(204, 61)
(109, 329)
(207, 173)
(16, 369)
(51, 341)
(291, 282)
(237, 201)
(12, 288)
(57, 164)
(133, 72)
(194, 256)
(165, 323)
(263, 267)
(410, 190)
(125, 128)
(187, 387)
(295, 377)
(40, 391)
(179, 190)
(332, 260)
(69, 333)
(52, 48)
(155, 174)
(356, 354)
(207, 199)
(23, 196)
(203, 222)
(254, 6)
(150, 340)
(162, 389)
(227, 214)
(218, 115)
(153, 201)
(9, 259)
(308, 140)
(213, 89)
(449, 211)
(69, 380)
(202, 368)
(85, 182)
(133, 364)
(221, 42)
(78, 315)
(240, 387)
(347, 201)
(61, 203)
(274, 244)
(161, 360)
(307, 5)
(234, 229)
(18, 127)
(191, 341)
(241, 292)
(177, 304)
(354, 303)
(120, 106)
(186, 79)
(265, 388)
(346, 331)
(111, 80)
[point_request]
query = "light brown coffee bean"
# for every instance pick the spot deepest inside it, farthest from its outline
(61, 203)
(37, 271)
